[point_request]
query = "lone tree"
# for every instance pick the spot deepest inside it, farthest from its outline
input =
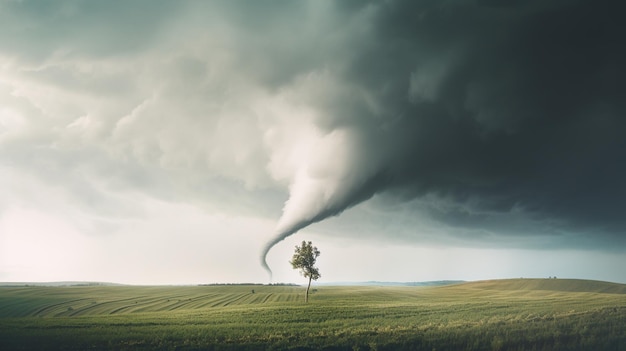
(304, 259)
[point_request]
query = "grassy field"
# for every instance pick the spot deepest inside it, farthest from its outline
(519, 314)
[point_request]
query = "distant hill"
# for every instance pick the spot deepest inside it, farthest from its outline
(378, 283)
(566, 285)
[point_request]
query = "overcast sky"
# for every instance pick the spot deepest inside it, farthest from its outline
(179, 142)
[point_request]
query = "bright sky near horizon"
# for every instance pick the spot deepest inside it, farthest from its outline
(177, 142)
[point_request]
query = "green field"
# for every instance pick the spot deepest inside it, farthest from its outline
(518, 314)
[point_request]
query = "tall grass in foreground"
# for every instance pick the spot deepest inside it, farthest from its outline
(462, 317)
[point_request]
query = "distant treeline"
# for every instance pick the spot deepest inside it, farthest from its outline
(54, 284)
(255, 284)
(379, 283)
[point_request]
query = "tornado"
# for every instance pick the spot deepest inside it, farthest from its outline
(266, 249)
(280, 236)
(304, 207)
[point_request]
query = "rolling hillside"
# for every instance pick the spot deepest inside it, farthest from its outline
(515, 314)
(563, 285)
(105, 300)
(68, 301)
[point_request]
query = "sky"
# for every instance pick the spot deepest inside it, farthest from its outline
(187, 142)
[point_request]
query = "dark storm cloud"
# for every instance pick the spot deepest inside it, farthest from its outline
(530, 115)
(510, 113)
(529, 111)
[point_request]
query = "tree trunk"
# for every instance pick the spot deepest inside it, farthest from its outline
(306, 296)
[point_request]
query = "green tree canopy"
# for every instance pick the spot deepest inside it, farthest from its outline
(304, 259)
